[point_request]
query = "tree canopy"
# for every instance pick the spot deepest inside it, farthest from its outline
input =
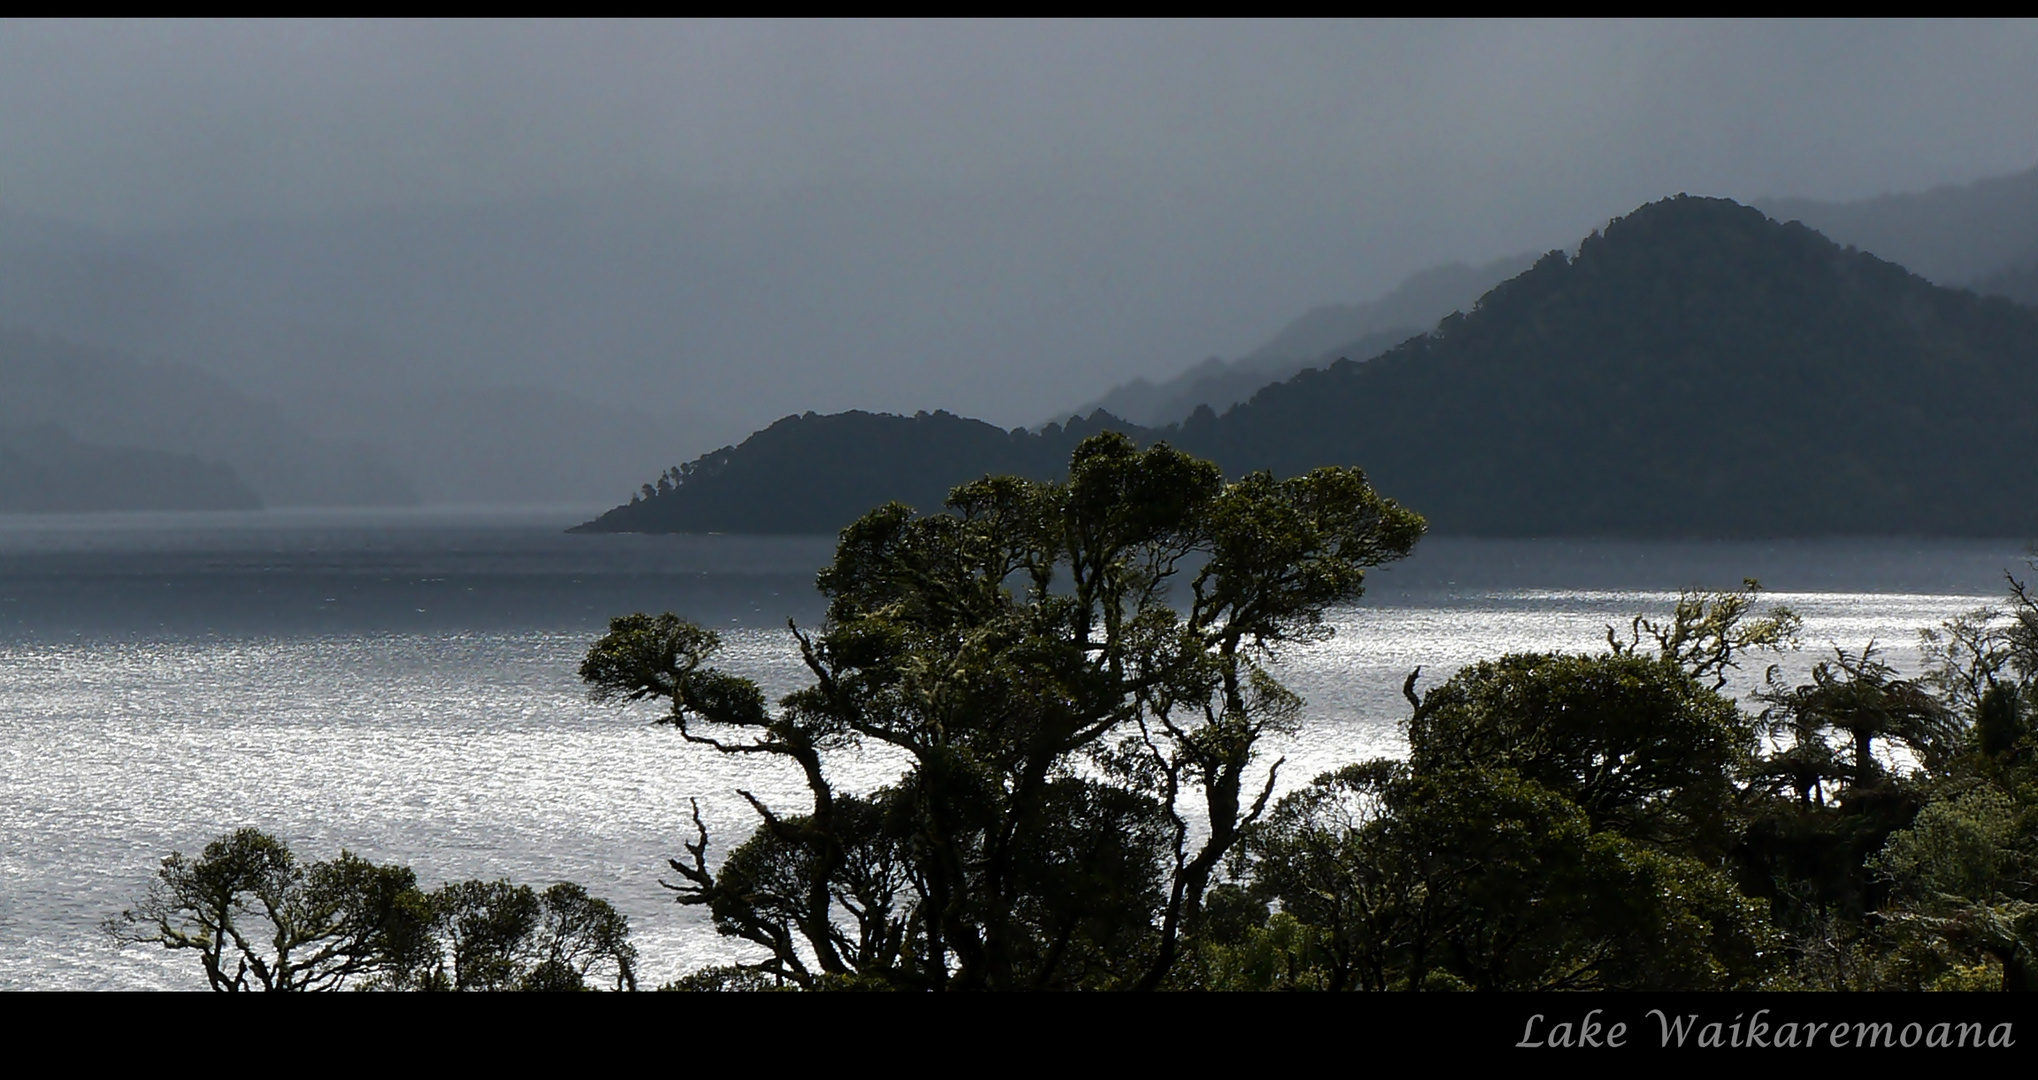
(1077, 674)
(1075, 671)
(259, 918)
(1610, 821)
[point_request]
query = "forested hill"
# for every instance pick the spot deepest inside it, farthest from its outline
(1697, 369)
(1960, 234)
(810, 474)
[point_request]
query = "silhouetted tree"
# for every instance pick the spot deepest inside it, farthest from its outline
(258, 918)
(1083, 753)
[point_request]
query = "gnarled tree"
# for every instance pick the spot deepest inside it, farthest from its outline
(1076, 673)
(259, 918)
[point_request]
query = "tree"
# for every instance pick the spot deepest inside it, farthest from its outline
(1709, 631)
(1861, 698)
(260, 919)
(1820, 804)
(1964, 877)
(1561, 823)
(1960, 877)
(1523, 893)
(1634, 741)
(1985, 663)
(1080, 748)
(492, 935)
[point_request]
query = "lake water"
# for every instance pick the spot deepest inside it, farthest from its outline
(402, 685)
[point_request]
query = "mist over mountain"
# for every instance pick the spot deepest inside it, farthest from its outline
(312, 339)
(45, 470)
(107, 399)
(518, 260)
(1982, 235)
(531, 351)
(1697, 369)
(542, 350)
(728, 307)
(691, 315)
(491, 444)
(1323, 333)
(1316, 337)
(2016, 283)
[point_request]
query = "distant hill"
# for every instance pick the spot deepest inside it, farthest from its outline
(1698, 369)
(1982, 235)
(1317, 337)
(1328, 333)
(106, 399)
(815, 473)
(44, 469)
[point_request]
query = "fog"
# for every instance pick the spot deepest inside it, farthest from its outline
(541, 261)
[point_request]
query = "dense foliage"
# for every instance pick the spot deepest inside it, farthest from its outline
(1078, 812)
(258, 918)
(1610, 821)
(1084, 752)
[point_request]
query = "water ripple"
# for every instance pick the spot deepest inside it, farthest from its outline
(478, 755)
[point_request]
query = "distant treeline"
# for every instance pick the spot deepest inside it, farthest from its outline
(1697, 369)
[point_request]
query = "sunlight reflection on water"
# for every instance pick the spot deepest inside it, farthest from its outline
(478, 755)
(405, 687)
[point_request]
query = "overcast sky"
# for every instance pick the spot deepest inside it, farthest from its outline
(149, 124)
(1328, 159)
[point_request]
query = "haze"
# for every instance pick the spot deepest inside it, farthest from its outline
(613, 246)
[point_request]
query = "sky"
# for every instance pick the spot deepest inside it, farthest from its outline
(1139, 195)
(152, 125)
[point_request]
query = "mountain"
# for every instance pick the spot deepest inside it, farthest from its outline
(1318, 336)
(1327, 333)
(103, 398)
(44, 469)
(1983, 235)
(1696, 369)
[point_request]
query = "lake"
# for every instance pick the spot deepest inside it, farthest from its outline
(402, 684)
